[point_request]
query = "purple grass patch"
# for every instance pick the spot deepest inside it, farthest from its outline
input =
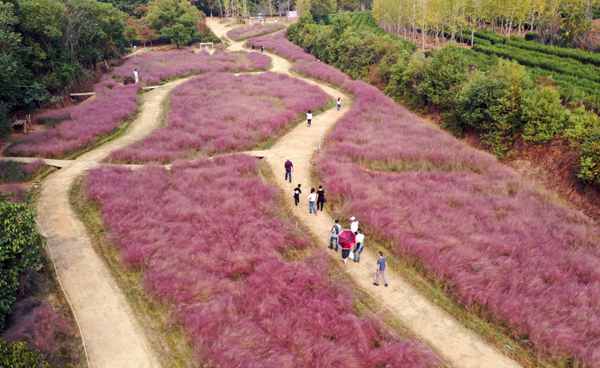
(211, 243)
(86, 122)
(254, 30)
(158, 66)
(469, 220)
(220, 112)
(279, 44)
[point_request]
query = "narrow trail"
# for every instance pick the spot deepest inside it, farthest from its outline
(109, 329)
(459, 346)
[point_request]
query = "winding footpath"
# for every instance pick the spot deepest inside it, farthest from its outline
(110, 332)
(457, 345)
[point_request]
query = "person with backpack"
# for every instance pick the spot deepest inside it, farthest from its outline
(312, 201)
(380, 273)
(309, 117)
(289, 167)
(360, 245)
(320, 198)
(297, 192)
(334, 235)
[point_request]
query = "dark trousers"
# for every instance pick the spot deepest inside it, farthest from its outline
(288, 176)
(320, 205)
(296, 200)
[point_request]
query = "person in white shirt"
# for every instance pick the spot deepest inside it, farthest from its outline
(360, 245)
(338, 103)
(312, 201)
(136, 76)
(353, 224)
(309, 118)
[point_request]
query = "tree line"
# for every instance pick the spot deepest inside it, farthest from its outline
(555, 21)
(49, 46)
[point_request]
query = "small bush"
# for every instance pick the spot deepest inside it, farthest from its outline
(543, 115)
(589, 161)
(4, 126)
(19, 355)
(19, 251)
(580, 125)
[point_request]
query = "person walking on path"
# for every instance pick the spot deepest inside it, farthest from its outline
(381, 265)
(347, 241)
(334, 235)
(320, 198)
(297, 192)
(353, 224)
(262, 48)
(289, 167)
(360, 245)
(338, 103)
(136, 76)
(312, 201)
(309, 118)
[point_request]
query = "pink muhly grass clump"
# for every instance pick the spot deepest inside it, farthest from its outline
(40, 325)
(321, 71)
(221, 112)
(210, 241)
(159, 66)
(86, 122)
(254, 30)
(279, 44)
(469, 220)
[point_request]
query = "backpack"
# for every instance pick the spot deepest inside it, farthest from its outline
(335, 229)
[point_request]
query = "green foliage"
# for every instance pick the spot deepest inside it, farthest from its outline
(47, 44)
(491, 104)
(589, 160)
(176, 20)
(543, 114)
(19, 355)
(580, 125)
(4, 125)
(20, 245)
(443, 75)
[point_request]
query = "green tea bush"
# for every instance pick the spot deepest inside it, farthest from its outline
(543, 114)
(589, 160)
(19, 355)
(20, 245)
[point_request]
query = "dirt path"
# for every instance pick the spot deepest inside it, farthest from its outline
(110, 332)
(459, 346)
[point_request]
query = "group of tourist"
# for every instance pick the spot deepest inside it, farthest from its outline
(351, 241)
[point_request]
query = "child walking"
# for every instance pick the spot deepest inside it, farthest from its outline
(297, 192)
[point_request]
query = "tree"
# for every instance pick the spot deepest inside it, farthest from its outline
(20, 245)
(543, 114)
(174, 19)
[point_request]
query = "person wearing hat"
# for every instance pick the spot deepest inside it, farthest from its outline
(353, 224)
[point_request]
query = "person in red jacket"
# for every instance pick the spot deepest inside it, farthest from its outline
(347, 241)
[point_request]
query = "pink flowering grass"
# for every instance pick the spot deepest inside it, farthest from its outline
(279, 44)
(468, 220)
(83, 124)
(211, 242)
(220, 112)
(159, 66)
(253, 30)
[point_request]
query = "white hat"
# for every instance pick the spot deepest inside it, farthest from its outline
(352, 218)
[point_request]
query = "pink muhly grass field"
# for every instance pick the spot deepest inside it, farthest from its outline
(254, 30)
(469, 220)
(211, 241)
(220, 112)
(84, 124)
(279, 44)
(159, 66)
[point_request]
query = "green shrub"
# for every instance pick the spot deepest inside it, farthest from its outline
(589, 160)
(443, 76)
(4, 124)
(543, 114)
(580, 125)
(491, 104)
(20, 245)
(19, 355)
(405, 77)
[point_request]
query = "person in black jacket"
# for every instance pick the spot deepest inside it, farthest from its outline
(320, 198)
